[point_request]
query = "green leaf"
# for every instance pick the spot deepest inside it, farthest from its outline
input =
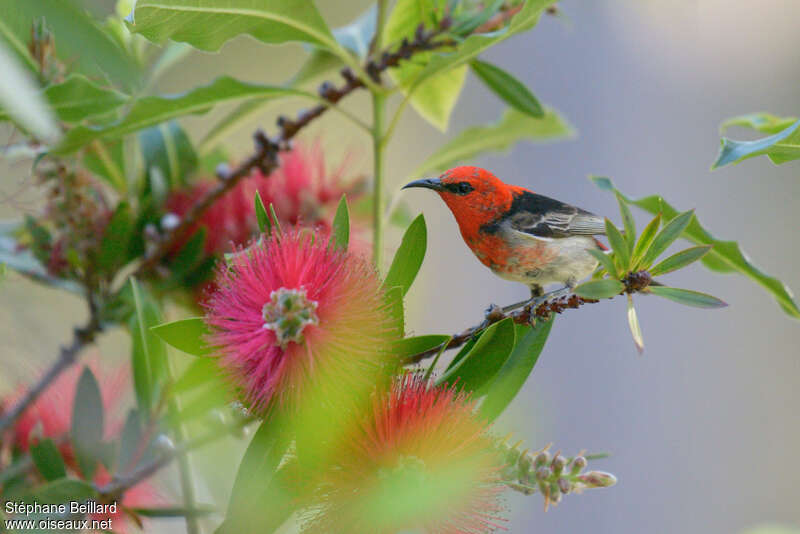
(515, 371)
(509, 89)
(502, 135)
(116, 239)
(671, 231)
(688, 297)
(484, 361)
(475, 44)
(645, 240)
(187, 335)
(48, 460)
(152, 110)
(600, 289)
(619, 245)
(86, 431)
(341, 225)
(256, 477)
(415, 345)
(633, 324)
(264, 225)
(190, 256)
(200, 510)
(107, 160)
(22, 100)
(408, 258)
(781, 147)
(276, 224)
(463, 351)
(207, 24)
(394, 302)
(168, 155)
(65, 490)
(81, 43)
(606, 262)
(130, 442)
(200, 372)
(435, 98)
(628, 223)
(680, 260)
(763, 122)
(149, 354)
(20, 259)
(15, 31)
(724, 257)
(77, 99)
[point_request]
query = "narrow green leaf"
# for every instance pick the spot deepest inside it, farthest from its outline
(130, 442)
(276, 224)
(394, 302)
(628, 223)
(620, 247)
(671, 231)
(781, 147)
(187, 335)
(485, 360)
(77, 99)
(502, 135)
(515, 371)
(264, 226)
(207, 24)
(86, 431)
(508, 88)
(414, 345)
(341, 225)
(168, 154)
(152, 110)
(645, 240)
(605, 261)
(201, 510)
(148, 351)
(599, 289)
(463, 351)
(688, 297)
(116, 239)
(680, 260)
(189, 256)
(725, 257)
(763, 122)
(65, 490)
(48, 460)
(633, 324)
(408, 258)
(200, 372)
(21, 99)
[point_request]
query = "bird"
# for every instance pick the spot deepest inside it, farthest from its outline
(520, 235)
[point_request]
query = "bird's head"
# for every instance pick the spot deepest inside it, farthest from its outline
(474, 195)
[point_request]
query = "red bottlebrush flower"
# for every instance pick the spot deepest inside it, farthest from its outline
(293, 314)
(421, 460)
(302, 191)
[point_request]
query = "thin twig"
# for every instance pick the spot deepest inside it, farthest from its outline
(120, 484)
(67, 356)
(634, 283)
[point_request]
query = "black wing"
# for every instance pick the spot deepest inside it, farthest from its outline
(542, 216)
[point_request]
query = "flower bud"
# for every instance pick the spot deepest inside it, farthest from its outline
(564, 485)
(543, 458)
(170, 221)
(555, 493)
(559, 462)
(543, 473)
(598, 479)
(163, 444)
(579, 464)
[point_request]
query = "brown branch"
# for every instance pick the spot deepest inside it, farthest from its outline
(634, 283)
(267, 151)
(68, 354)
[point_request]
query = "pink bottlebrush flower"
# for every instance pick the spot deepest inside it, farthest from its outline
(420, 461)
(293, 314)
(302, 191)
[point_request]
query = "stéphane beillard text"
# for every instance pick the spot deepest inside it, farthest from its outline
(73, 507)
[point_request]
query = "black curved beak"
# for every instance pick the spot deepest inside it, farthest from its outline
(427, 183)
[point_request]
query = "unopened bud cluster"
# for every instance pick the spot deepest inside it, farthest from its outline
(553, 475)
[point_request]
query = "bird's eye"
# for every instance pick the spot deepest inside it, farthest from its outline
(464, 188)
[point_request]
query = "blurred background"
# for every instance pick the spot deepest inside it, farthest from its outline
(703, 429)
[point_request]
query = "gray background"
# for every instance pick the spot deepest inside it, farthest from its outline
(703, 429)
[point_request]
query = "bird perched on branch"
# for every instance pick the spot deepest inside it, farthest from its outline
(520, 235)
